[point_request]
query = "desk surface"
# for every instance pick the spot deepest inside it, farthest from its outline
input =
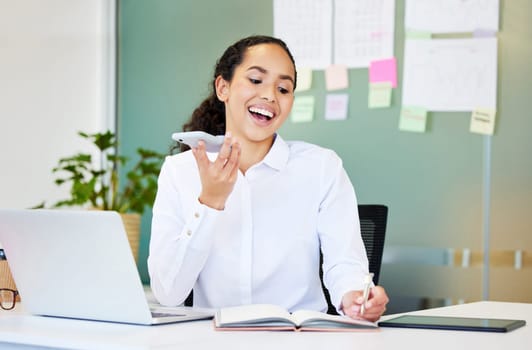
(17, 327)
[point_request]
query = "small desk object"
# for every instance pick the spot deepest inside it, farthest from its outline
(454, 323)
(17, 327)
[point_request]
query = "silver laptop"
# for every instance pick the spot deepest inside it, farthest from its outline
(78, 264)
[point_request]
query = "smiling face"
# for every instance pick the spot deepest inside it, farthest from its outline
(260, 96)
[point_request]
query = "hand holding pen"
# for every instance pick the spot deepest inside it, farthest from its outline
(368, 303)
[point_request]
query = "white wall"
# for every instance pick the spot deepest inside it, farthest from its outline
(56, 78)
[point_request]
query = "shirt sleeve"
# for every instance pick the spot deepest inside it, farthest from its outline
(181, 236)
(345, 262)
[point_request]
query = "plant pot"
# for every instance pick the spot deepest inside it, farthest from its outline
(132, 225)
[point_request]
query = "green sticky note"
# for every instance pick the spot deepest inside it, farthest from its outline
(417, 34)
(303, 109)
(304, 79)
(413, 119)
(380, 94)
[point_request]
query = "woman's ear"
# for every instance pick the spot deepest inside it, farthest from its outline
(222, 88)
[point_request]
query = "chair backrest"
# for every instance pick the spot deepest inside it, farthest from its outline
(373, 218)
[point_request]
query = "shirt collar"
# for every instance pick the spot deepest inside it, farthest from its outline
(277, 157)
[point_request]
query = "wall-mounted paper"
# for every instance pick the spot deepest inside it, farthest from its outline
(306, 27)
(336, 106)
(450, 74)
(304, 79)
(452, 16)
(413, 119)
(380, 95)
(383, 70)
(363, 30)
(336, 77)
(483, 121)
(302, 109)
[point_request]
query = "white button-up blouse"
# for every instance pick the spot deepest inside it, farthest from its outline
(264, 246)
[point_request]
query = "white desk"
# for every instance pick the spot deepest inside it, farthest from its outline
(19, 328)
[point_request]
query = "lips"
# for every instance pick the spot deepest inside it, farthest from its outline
(261, 114)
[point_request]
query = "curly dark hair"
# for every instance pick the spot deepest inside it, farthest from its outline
(209, 116)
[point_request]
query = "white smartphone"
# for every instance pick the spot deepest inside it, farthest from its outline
(191, 138)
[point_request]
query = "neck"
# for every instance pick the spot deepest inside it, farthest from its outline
(253, 153)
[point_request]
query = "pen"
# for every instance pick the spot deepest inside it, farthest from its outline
(367, 284)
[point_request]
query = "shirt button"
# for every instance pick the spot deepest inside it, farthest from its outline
(189, 233)
(196, 215)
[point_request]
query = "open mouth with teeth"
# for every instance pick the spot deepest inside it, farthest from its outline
(261, 114)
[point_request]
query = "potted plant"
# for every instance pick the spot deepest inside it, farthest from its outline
(96, 184)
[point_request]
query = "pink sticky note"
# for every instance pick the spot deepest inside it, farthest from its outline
(336, 77)
(383, 71)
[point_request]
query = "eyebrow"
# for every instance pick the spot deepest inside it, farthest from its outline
(282, 76)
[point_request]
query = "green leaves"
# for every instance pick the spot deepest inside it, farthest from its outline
(95, 183)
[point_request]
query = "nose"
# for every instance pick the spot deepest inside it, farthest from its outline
(268, 93)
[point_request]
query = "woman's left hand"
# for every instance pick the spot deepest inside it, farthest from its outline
(374, 307)
(219, 177)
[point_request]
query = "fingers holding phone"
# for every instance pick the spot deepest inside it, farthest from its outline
(218, 177)
(225, 152)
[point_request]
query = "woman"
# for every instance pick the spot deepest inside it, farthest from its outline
(245, 225)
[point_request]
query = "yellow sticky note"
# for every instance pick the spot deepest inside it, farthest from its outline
(483, 121)
(302, 109)
(304, 79)
(380, 95)
(413, 119)
(336, 77)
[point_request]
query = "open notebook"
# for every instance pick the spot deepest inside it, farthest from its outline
(78, 264)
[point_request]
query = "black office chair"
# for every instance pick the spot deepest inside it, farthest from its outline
(373, 218)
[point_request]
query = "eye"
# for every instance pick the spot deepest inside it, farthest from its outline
(283, 91)
(255, 81)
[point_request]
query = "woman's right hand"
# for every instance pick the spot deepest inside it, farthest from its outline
(219, 177)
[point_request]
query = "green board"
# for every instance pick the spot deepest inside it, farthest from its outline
(432, 181)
